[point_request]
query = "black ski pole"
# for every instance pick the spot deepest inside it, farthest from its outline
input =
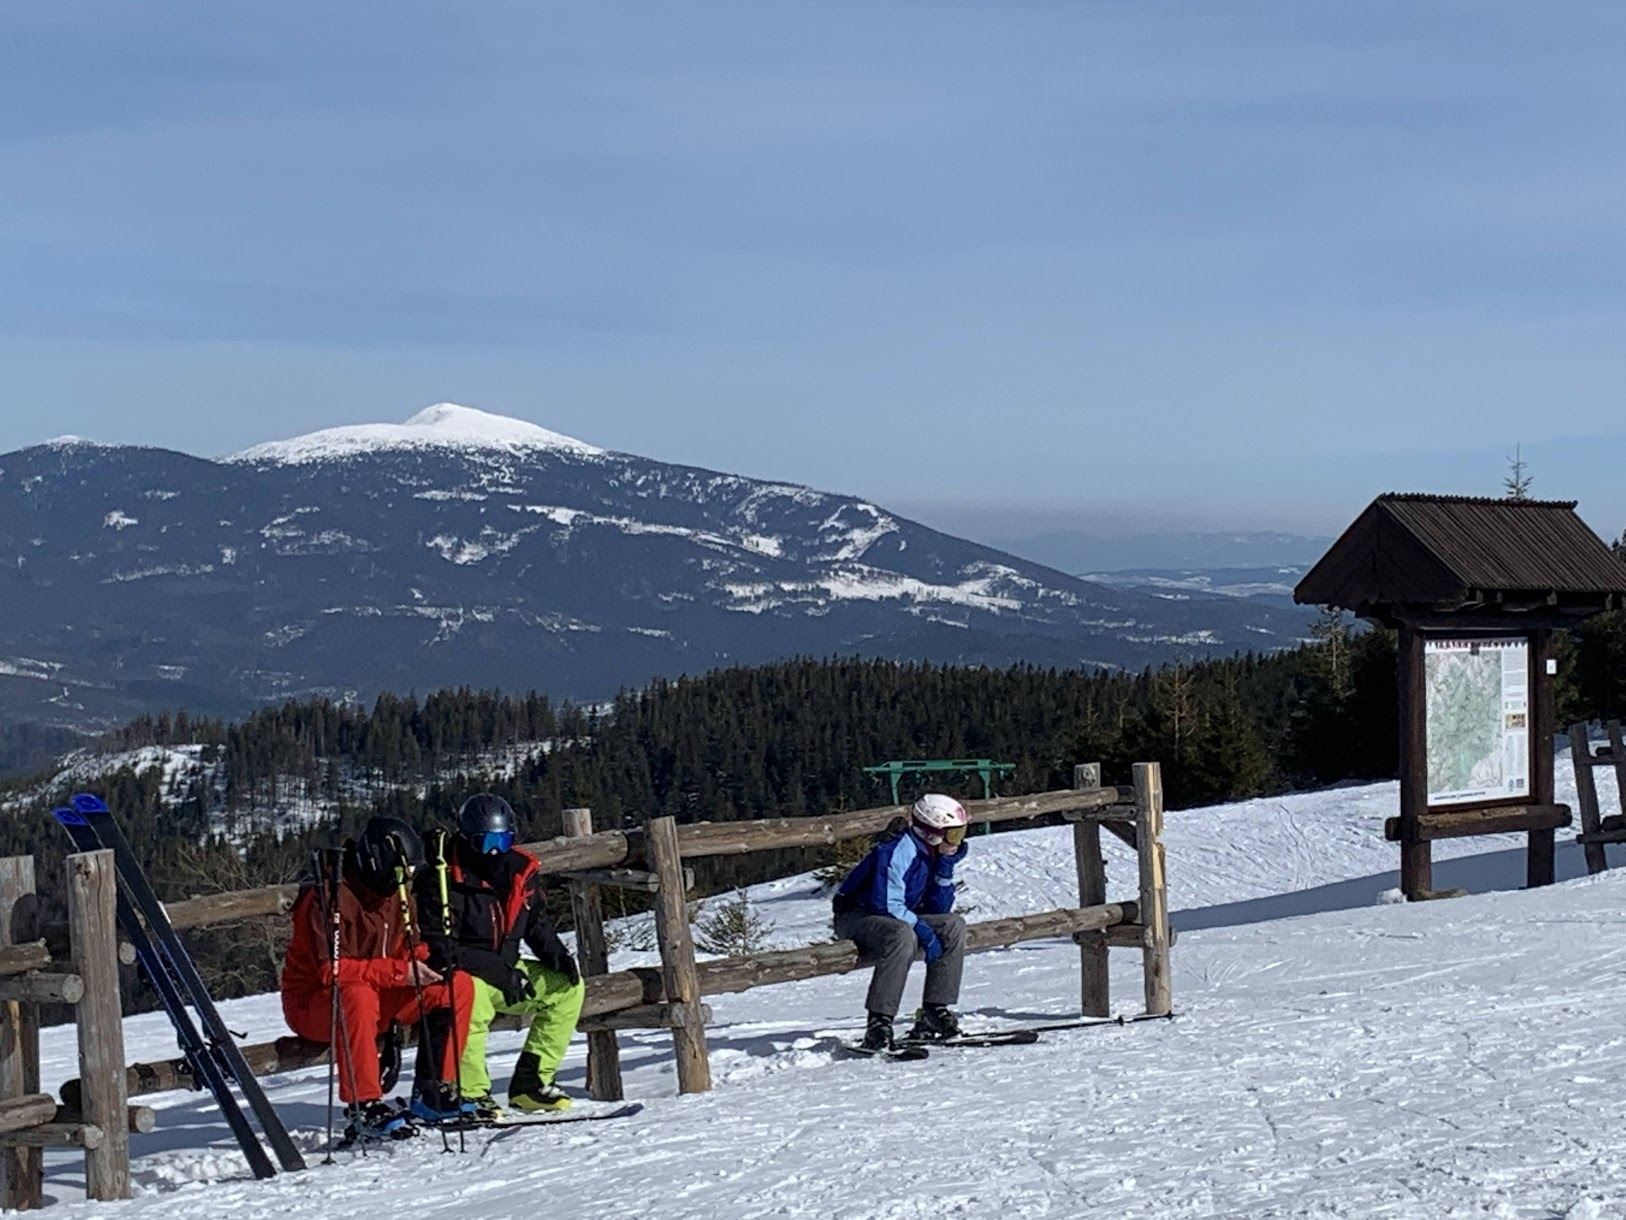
(423, 1011)
(457, 1049)
(333, 989)
(338, 1028)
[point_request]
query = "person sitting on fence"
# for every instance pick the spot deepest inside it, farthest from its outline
(381, 978)
(482, 898)
(900, 896)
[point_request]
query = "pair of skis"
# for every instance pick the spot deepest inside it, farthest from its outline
(508, 1124)
(210, 1051)
(907, 1051)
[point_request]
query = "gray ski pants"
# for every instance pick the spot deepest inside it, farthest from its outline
(891, 945)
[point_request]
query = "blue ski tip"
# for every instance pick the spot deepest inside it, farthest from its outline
(84, 802)
(69, 817)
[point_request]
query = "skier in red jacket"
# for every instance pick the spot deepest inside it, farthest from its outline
(382, 978)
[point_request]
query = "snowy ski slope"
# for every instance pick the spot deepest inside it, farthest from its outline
(1336, 1056)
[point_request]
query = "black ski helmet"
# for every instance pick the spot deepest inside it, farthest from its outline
(483, 814)
(387, 852)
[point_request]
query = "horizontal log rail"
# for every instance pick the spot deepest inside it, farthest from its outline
(638, 991)
(736, 838)
(141, 1120)
(646, 1016)
(55, 1135)
(1463, 823)
(29, 1110)
(38, 987)
(16, 959)
(617, 849)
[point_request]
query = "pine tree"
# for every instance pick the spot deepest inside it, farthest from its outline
(1516, 483)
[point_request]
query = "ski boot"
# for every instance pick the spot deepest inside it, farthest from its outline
(527, 1090)
(933, 1023)
(485, 1109)
(437, 1102)
(877, 1034)
(374, 1122)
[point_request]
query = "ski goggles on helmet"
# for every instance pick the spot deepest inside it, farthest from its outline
(494, 842)
(954, 835)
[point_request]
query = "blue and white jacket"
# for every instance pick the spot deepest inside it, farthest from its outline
(900, 877)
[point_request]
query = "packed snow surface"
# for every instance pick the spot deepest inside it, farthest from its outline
(443, 426)
(1334, 1055)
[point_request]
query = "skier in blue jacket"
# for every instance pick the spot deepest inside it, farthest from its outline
(899, 898)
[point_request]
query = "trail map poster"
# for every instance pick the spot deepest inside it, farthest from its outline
(1477, 701)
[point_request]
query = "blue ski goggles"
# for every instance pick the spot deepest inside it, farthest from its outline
(495, 842)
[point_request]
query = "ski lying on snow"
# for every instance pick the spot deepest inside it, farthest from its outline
(212, 1054)
(905, 1053)
(507, 1125)
(553, 1118)
(992, 1037)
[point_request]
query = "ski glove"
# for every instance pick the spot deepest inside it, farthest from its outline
(929, 944)
(570, 970)
(560, 962)
(945, 865)
(517, 989)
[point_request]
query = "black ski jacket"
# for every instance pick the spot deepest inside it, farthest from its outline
(493, 904)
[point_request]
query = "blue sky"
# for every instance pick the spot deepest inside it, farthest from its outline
(1108, 265)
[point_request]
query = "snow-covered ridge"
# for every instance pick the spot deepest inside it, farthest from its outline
(442, 426)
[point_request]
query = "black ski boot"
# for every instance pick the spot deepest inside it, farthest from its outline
(934, 1023)
(527, 1091)
(373, 1122)
(877, 1033)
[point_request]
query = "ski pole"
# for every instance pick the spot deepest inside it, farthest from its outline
(441, 869)
(423, 1010)
(339, 1027)
(333, 1016)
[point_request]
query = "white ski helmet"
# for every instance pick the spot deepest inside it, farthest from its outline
(938, 818)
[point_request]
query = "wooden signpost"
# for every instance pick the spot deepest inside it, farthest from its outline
(1474, 589)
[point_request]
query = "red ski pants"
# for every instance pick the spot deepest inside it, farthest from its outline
(365, 1015)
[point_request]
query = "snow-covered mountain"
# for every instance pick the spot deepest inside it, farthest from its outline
(467, 548)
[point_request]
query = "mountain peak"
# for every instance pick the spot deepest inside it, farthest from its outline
(445, 425)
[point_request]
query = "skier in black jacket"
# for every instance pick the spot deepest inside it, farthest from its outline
(478, 902)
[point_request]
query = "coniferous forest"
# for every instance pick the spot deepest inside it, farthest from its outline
(777, 740)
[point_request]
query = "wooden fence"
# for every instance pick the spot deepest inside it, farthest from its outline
(1596, 830)
(671, 996)
(101, 1120)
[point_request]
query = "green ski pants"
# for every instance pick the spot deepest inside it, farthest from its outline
(554, 1008)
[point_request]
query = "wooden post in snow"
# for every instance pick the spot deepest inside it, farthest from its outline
(22, 1168)
(1586, 796)
(1416, 853)
(1541, 847)
(92, 924)
(682, 984)
(592, 952)
(1154, 898)
(1092, 892)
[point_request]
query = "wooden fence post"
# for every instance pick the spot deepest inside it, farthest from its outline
(677, 956)
(603, 1052)
(1092, 892)
(1154, 898)
(1586, 796)
(22, 1168)
(93, 928)
(1541, 850)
